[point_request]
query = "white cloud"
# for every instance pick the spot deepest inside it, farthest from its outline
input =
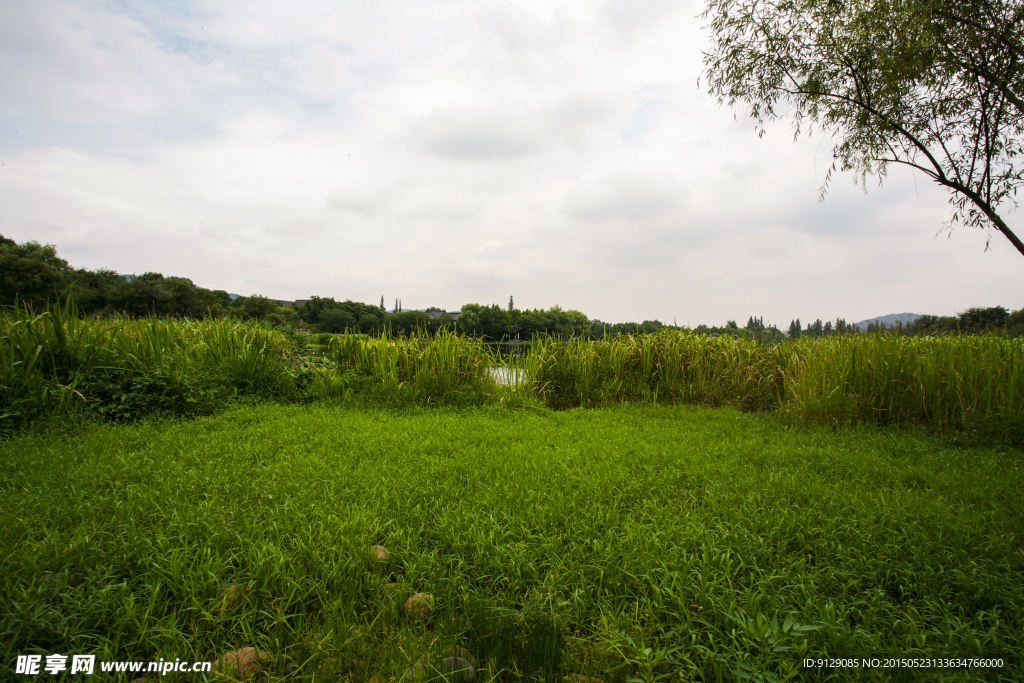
(628, 199)
(472, 137)
(449, 152)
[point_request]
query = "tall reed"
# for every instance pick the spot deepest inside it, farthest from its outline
(970, 384)
(670, 366)
(56, 361)
(966, 384)
(447, 368)
(39, 359)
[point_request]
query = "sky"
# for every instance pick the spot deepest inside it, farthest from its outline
(446, 152)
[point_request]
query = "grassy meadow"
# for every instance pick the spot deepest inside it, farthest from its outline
(638, 542)
(662, 507)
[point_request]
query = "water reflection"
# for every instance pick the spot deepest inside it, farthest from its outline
(509, 376)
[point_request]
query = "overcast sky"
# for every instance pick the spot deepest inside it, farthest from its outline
(448, 152)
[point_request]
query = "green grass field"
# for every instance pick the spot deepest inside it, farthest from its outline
(628, 543)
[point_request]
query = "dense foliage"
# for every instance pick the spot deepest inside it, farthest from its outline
(119, 368)
(57, 363)
(32, 274)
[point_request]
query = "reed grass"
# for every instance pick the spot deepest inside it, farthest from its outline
(667, 367)
(445, 369)
(973, 385)
(967, 385)
(56, 362)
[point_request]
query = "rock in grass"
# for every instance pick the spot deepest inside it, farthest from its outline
(464, 654)
(416, 670)
(233, 595)
(242, 663)
(459, 670)
(418, 606)
(378, 555)
(577, 678)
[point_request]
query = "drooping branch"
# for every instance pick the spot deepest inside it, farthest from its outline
(938, 90)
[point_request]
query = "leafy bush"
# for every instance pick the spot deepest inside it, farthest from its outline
(121, 369)
(444, 369)
(124, 395)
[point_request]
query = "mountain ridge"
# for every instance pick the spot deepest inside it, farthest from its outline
(891, 319)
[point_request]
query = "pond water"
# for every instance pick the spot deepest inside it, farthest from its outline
(502, 374)
(507, 375)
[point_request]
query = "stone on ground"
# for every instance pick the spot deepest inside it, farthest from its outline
(378, 555)
(577, 678)
(55, 581)
(418, 606)
(419, 666)
(244, 662)
(233, 595)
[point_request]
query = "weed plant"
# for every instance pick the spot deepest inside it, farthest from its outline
(57, 362)
(443, 369)
(668, 367)
(972, 385)
(636, 543)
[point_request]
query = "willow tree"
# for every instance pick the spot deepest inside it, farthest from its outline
(935, 86)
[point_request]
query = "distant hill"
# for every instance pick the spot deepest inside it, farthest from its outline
(890, 319)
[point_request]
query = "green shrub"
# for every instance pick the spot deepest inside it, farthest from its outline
(442, 369)
(124, 395)
(56, 362)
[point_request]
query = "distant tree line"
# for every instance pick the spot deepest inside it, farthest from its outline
(32, 274)
(971, 321)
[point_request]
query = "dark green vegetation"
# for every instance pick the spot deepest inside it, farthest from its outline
(643, 542)
(647, 540)
(56, 364)
(32, 274)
